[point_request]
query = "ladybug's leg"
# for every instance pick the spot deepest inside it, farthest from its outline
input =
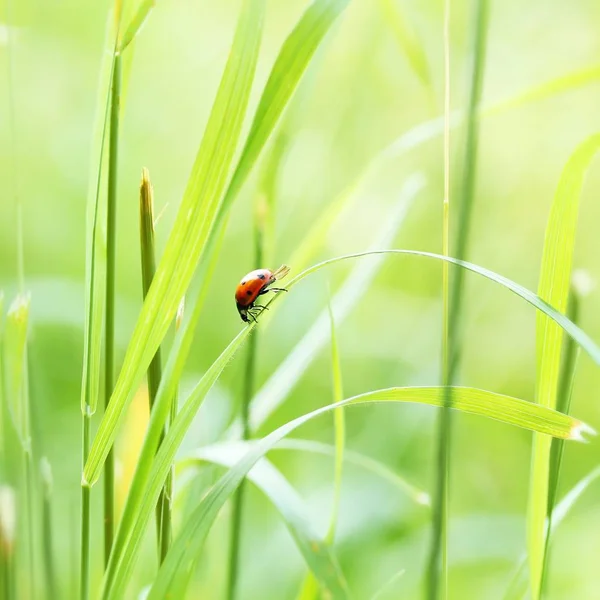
(272, 289)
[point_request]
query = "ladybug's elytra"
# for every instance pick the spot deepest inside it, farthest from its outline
(255, 284)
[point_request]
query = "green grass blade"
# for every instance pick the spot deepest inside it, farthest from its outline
(177, 568)
(95, 269)
(191, 227)
(288, 503)
(291, 63)
(555, 277)
(136, 23)
(366, 462)
(582, 339)
(275, 390)
(547, 89)
(351, 457)
(518, 585)
(310, 587)
(407, 40)
(565, 392)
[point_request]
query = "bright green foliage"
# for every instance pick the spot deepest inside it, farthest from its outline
(191, 228)
(175, 572)
(288, 503)
(555, 278)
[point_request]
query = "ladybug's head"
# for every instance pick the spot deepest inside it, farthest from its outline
(243, 310)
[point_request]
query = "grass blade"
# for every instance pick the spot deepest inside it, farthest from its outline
(148, 259)
(191, 227)
(555, 276)
(288, 503)
(437, 577)
(136, 23)
(174, 574)
(407, 40)
(95, 284)
(356, 458)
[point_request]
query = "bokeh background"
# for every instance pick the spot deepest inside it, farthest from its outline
(360, 94)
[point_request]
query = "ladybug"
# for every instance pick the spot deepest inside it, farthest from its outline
(255, 284)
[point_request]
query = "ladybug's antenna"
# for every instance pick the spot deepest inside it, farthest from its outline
(281, 272)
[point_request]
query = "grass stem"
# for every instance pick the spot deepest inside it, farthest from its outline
(148, 256)
(437, 572)
(109, 332)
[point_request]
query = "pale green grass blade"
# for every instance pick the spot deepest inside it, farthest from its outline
(542, 91)
(288, 503)
(518, 585)
(351, 457)
(15, 369)
(310, 588)
(582, 339)
(276, 389)
(135, 23)
(95, 270)
(178, 566)
(291, 63)
(407, 40)
(366, 462)
(555, 277)
(191, 227)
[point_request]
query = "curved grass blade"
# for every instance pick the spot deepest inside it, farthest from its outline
(274, 391)
(555, 277)
(152, 475)
(366, 462)
(568, 326)
(175, 572)
(356, 458)
(289, 504)
(191, 227)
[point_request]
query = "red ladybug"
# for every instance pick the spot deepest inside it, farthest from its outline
(255, 284)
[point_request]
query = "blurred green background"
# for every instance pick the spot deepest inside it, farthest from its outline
(359, 94)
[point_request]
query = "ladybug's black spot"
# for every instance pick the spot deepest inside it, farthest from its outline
(249, 292)
(261, 276)
(243, 283)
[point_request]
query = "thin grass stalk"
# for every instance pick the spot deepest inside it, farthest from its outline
(565, 389)
(436, 584)
(109, 332)
(49, 570)
(84, 567)
(247, 394)
(148, 256)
